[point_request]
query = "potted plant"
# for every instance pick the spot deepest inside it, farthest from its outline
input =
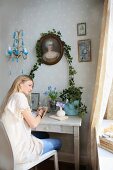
(52, 94)
(72, 97)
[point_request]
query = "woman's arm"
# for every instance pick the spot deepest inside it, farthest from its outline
(31, 120)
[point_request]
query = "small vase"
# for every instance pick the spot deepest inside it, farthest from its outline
(60, 112)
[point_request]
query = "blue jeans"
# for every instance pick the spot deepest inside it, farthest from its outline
(49, 143)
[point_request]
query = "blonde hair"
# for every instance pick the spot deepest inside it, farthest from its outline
(14, 88)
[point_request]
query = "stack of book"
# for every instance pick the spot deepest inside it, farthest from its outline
(106, 139)
(106, 143)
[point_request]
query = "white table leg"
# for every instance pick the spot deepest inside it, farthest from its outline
(76, 147)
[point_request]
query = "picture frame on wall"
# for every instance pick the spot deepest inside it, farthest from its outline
(84, 50)
(35, 99)
(81, 29)
(52, 49)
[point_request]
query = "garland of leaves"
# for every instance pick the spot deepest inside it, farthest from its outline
(67, 50)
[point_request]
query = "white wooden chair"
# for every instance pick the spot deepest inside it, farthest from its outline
(7, 159)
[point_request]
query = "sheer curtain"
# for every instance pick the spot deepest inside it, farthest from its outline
(103, 80)
(109, 110)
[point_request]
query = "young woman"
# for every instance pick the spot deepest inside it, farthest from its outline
(18, 121)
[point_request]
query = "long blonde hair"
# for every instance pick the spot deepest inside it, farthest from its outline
(14, 88)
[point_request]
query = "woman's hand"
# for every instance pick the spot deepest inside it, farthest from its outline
(45, 110)
(42, 111)
(34, 121)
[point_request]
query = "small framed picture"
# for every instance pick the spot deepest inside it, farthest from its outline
(81, 29)
(35, 98)
(84, 50)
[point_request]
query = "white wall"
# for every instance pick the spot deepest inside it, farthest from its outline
(37, 16)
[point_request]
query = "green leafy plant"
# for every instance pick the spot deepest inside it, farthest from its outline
(71, 94)
(82, 109)
(51, 93)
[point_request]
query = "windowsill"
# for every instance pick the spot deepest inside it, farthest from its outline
(105, 157)
(106, 123)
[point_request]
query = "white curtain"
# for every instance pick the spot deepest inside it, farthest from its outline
(103, 79)
(109, 110)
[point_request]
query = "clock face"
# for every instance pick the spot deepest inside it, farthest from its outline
(84, 50)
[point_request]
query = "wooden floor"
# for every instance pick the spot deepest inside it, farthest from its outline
(49, 165)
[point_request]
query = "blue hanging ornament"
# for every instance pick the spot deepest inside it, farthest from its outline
(17, 49)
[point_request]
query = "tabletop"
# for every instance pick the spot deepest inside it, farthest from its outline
(71, 121)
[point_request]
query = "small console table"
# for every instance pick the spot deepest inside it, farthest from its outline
(68, 126)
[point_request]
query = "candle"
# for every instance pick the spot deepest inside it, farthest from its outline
(9, 51)
(25, 51)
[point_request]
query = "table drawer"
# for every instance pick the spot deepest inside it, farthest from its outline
(55, 128)
(48, 128)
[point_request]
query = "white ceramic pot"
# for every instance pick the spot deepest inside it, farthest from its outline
(60, 112)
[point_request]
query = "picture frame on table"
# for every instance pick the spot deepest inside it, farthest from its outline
(81, 29)
(52, 49)
(84, 50)
(35, 99)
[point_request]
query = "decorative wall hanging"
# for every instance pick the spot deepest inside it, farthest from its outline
(52, 49)
(18, 49)
(84, 50)
(81, 29)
